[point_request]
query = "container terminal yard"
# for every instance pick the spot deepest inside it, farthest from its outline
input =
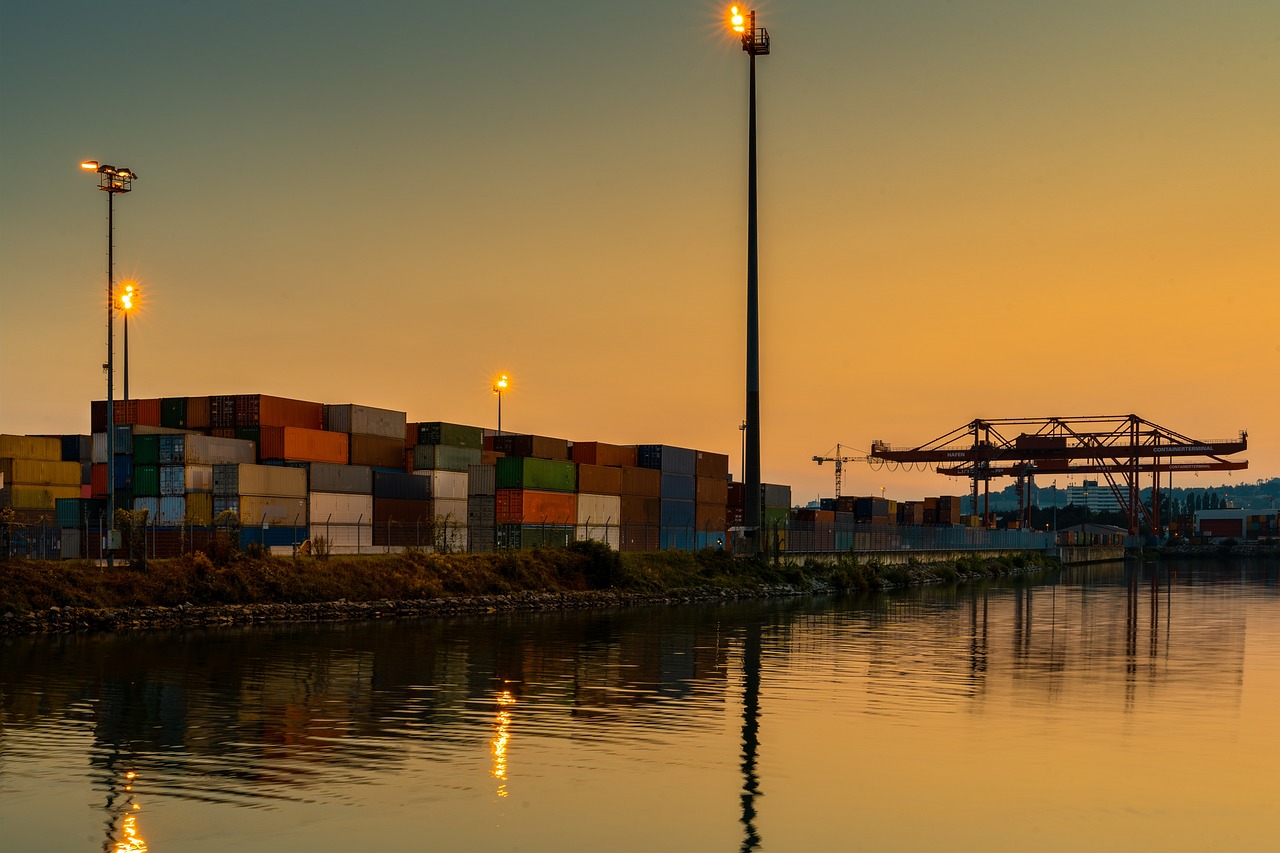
(281, 474)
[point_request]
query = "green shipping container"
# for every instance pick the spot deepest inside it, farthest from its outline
(776, 516)
(524, 472)
(525, 536)
(453, 435)
(146, 451)
(173, 412)
(444, 457)
(146, 480)
(72, 512)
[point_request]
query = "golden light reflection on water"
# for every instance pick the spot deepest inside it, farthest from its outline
(128, 837)
(501, 734)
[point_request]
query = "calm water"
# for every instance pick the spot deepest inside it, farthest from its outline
(1107, 708)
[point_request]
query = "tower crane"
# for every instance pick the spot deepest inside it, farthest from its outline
(839, 459)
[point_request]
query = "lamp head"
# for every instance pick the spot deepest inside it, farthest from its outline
(736, 21)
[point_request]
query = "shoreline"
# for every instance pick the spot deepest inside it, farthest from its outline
(64, 620)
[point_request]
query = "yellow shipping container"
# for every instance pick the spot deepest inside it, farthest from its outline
(199, 508)
(39, 472)
(30, 447)
(36, 497)
(278, 512)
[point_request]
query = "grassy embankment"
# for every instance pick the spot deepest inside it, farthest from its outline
(235, 578)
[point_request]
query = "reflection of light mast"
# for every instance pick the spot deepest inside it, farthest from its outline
(130, 841)
(501, 734)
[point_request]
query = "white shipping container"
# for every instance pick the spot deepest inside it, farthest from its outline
(365, 420)
(150, 504)
(275, 511)
(449, 485)
(344, 539)
(598, 519)
(211, 450)
(337, 508)
(199, 478)
(100, 448)
(173, 511)
(70, 544)
(450, 511)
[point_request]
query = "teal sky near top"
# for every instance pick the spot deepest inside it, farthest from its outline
(968, 209)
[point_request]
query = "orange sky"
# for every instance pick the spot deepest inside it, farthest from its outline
(987, 209)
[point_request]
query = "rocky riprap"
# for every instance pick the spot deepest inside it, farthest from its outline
(63, 620)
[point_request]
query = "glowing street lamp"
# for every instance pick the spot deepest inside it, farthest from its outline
(128, 301)
(113, 182)
(500, 385)
(755, 42)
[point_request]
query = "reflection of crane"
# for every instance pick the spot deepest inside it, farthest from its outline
(839, 460)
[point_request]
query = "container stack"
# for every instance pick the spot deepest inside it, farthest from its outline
(535, 501)
(481, 510)
(641, 508)
(33, 477)
(678, 516)
(776, 503)
(599, 504)
(271, 502)
(376, 436)
(445, 453)
(812, 530)
(948, 510)
(340, 501)
(712, 500)
(403, 515)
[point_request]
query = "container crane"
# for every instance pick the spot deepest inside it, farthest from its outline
(839, 460)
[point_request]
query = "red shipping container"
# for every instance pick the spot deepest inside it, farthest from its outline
(197, 413)
(713, 490)
(378, 451)
(639, 537)
(599, 453)
(98, 480)
(711, 518)
(141, 412)
(737, 495)
(644, 482)
(713, 465)
(638, 509)
(530, 506)
(264, 410)
(303, 445)
(1222, 527)
(599, 479)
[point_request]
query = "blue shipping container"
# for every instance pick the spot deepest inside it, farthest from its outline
(664, 457)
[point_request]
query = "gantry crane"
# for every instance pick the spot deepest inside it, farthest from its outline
(1119, 447)
(839, 459)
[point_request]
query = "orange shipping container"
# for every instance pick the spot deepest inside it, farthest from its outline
(303, 445)
(529, 506)
(599, 453)
(599, 479)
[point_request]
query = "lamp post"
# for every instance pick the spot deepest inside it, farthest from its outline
(499, 386)
(113, 182)
(127, 300)
(755, 42)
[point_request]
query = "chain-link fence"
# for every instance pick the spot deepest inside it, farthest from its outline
(447, 535)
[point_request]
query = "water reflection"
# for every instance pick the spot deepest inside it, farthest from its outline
(501, 734)
(304, 715)
(123, 834)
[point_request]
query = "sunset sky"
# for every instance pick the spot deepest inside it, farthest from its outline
(967, 209)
